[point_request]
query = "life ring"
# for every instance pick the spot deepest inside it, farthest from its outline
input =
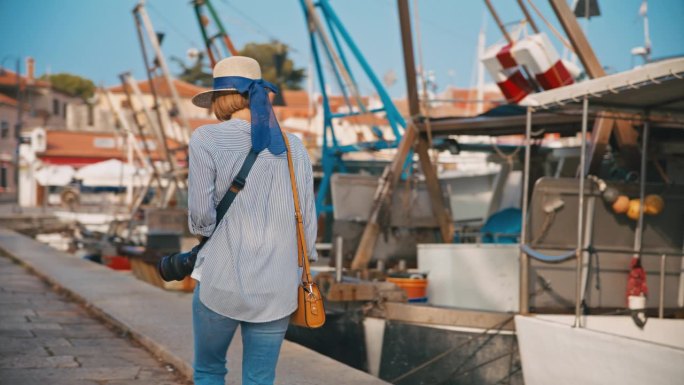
(70, 197)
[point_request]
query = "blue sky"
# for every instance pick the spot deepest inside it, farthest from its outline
(97, 38)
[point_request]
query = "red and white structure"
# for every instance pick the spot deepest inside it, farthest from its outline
(537, 54)
(505, 70)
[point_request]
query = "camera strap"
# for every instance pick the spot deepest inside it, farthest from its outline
(236, 186)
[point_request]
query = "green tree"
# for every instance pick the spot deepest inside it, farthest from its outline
(71, 84)
(196, 73)
(276, 67)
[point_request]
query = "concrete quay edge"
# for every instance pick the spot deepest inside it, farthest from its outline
(161, 320)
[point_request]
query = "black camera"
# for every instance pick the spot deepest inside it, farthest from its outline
(177, 266)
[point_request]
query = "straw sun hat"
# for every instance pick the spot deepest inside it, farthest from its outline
(243, 74)
(241, 66)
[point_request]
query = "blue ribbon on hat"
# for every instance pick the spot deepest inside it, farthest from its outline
(265, 129)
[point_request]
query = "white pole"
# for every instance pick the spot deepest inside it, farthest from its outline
(524, 264)
(130, 143)
(338, 259)
(580, 214)
(643, 10)
(639, 235)
(310, 91)
(480, 69)
(130, 139)
(661, 291)
(156, 130)
(154, 41)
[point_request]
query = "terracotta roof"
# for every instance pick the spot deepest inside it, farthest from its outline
(185, 89)
(4, 99)
(282, 114)
(296, 105)
(196, 123)
(337, 102)
(286, 112)
(402, 107)
(456, 103)
(466, 94)
(461, 104)
(296, 98)
(79, 144)
(366, 120)
(9, 78)
(303, 133)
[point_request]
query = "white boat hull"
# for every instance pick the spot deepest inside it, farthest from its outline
(607, 350)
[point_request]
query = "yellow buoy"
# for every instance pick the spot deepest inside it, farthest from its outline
(633, 210)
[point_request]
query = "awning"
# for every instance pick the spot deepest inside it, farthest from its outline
(111, 173)
(657, 87)
(51, 175)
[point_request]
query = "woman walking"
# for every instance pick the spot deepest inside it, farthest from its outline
(247, 272)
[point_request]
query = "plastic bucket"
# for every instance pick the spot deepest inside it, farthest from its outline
(415, 288)
(117, 262)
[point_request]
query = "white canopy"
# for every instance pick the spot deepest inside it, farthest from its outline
(658, 87)
(53, 175)
(111, 173)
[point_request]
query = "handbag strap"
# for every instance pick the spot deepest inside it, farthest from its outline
(236, 186)
(302, 253)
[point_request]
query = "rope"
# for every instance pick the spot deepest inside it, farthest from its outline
(661, 172)
(411, 188)
(598, 269)
(509, 375)
(545, 287)
(455, 375)
(410, 194)
(257, 27)
(514, 346)
(425, 99)
(436, 358)
(548, 220)
(389, 5)
(458, 373)
(507, 157)
(551, 27)
(171, 25)
(593, 271)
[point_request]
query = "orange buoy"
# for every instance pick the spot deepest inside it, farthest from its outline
(621, 204)
(654, 204)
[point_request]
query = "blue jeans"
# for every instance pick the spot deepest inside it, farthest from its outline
(213, 332)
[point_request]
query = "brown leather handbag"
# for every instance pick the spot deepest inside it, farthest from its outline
(310, 312)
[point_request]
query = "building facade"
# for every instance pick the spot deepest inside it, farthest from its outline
(8, 148)
(42, 107)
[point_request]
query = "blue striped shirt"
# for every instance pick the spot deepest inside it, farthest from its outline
(248, 268)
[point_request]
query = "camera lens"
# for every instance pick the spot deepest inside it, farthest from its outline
(177, 266)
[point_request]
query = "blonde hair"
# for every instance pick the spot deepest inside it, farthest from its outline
(225, 104)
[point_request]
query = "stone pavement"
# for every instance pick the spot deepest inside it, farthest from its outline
(45, 338)
(161, 320)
